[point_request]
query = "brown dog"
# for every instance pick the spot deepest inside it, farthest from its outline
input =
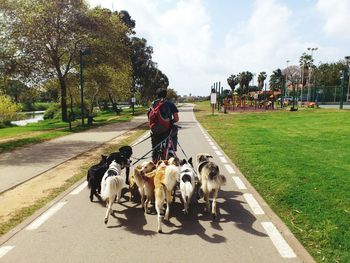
(144, 181)
(165, 179)
(210, 178)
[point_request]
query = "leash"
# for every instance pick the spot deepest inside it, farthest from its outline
(141, 141)
(182, 150)
(155, 147)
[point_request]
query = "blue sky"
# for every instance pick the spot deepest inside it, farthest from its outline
(199, 42)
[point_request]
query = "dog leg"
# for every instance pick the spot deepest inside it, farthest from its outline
(168, 200)
(109, 209)
(186, 201)
(213, 208)
(158, 209)
(92, 191)
(207, 203)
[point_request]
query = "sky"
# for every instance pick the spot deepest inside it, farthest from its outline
(201, 42)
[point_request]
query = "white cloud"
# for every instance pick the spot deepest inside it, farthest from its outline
(188, 53)
(337, 16)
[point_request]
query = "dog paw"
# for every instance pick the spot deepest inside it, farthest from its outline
(106, 221)
(160, 231)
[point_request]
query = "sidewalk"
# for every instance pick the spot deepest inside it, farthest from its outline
(23, 164)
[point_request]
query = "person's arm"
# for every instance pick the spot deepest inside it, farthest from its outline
(176, 117)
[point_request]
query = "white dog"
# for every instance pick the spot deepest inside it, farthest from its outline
(111, 186)
(187, 182)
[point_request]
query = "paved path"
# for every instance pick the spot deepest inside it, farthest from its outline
(72, 229)
(23, 164)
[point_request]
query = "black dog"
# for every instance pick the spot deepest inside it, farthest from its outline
(94, 177)
(126, 152)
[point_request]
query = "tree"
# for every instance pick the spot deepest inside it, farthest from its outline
(232, 81)
(172, 94)
(261, 78)
(276, 80)
(47, 36)
(109, 69)
(8, 109)
(244, 79)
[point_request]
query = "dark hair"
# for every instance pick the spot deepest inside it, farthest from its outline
(161, 93)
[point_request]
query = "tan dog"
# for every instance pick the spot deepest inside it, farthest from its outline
(165, 179)
(210, 178)
(144, 181)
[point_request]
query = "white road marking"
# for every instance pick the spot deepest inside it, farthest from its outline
(45, 216)
(254, 205)
(280, 243)
(229, 169)
(4, 250)
(218, 153)
(78, 189)
(223, 159)
(239, 183)
(211, 143)
(214, 148)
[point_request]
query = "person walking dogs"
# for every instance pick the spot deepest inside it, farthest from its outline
(162, 115)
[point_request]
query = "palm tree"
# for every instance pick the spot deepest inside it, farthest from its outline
(261, 78)
(276, 81)
(306, 63)
(244, 79)
(232, 82)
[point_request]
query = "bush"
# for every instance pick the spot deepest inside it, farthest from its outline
(38, 106)
(53, 112)
(8, 110)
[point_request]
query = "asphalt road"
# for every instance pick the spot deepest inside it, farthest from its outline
(246, 229)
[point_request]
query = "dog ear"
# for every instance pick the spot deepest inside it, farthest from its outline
(209, 156)
(182, 162)
(190, 161)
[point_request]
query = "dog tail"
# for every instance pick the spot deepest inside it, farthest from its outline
(222, 179)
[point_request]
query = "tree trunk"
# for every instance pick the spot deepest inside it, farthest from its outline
(63, 98)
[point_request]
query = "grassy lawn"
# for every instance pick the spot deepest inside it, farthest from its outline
(300, 163)
(17, 136)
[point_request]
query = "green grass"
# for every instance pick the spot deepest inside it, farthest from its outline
(299, 162)
(50, 129)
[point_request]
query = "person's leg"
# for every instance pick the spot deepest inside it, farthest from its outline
(156, 139)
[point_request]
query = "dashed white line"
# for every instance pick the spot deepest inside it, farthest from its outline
(280, 243)
(223, 159)
(214, 148)
(239, 183)
(229, 169)
(254, 205)
(211, 143)
(45, 216)
(78, 189)
(218, 153)
(4, 250)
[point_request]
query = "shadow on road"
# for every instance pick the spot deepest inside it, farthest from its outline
(230, 211)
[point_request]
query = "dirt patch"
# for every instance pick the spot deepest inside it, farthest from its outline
(40, 187)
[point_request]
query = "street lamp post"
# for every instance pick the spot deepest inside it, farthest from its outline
(81, 54)
(347, 60)
(342, 78)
